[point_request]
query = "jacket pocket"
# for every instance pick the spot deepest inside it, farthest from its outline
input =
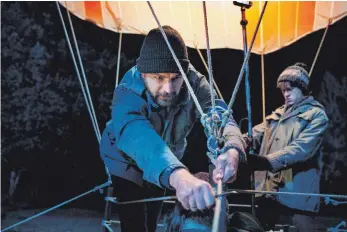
(300, 123)
(179, 148)
(181, 127)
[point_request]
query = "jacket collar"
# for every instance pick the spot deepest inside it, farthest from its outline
(276, 115)
(133, 81)
(302, 107)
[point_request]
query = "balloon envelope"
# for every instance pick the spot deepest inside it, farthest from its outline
(283, 23)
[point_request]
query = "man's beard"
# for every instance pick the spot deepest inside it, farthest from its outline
(164, 100)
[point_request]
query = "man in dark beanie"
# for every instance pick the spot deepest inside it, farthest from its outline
(289, 157)
(152, 114)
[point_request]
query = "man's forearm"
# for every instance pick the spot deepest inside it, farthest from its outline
(167, 173)
(178, 175)
(237, 143)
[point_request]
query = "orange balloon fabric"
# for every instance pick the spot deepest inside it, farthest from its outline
(283, 22)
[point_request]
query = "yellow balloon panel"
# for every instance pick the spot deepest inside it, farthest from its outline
(284, 22)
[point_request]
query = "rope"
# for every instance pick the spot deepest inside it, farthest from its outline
(83, 73)
(118, 222)
(106, 224)
(59, 205)
(97, 132)
(162, 225)
(114, 200)
(84, 88)
(209, 59)
(319, 48)
(263, 84)
(96, 129)
(230, 191)
(218, 210)
(245, 61)
(191, 91)
(230, 205)
(204, 62)
(241, 191)
(118, 58)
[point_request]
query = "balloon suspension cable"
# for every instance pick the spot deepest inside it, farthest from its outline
(220, 212)
(84, 85)
(206, 67)
(319, 47)
(118, 57)
(83, 74)
(245, 61)
(209, 59)
(244, 66)
(89, 106)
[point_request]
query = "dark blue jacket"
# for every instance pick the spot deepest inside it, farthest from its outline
(143, 140)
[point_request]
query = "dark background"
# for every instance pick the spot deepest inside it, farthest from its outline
(48, 142)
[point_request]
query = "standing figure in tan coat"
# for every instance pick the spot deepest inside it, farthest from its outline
(288, 153)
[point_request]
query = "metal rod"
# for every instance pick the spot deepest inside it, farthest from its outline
(244, 23)
(219, 217)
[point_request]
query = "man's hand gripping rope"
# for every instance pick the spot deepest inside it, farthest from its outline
(223, 157)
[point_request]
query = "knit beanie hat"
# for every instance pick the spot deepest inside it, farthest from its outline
(296, 74)
(155, 56)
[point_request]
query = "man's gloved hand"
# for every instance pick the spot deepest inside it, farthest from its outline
(226, 166)
(258, 163)
(248, 140)
(191, 192)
